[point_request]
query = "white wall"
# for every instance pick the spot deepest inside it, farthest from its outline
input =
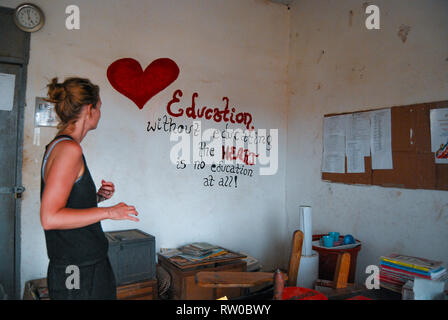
(223, 48)
(364, 69)
(240, 49)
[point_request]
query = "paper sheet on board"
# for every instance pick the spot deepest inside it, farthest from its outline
(381, 139)
(7, 86)
(439, 134)
(358, 129)
(334, 144)
(355, 157)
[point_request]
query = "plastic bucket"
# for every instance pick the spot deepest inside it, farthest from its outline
(297, 293)
(328, 259)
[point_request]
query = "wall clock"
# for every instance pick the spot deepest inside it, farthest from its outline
(29, 17)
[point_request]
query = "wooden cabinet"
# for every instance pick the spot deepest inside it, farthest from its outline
(143, 290)
(183, 284)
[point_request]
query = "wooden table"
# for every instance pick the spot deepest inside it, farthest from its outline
(183, 284)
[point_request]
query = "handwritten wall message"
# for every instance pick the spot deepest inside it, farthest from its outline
(224, 154)
(226, 114)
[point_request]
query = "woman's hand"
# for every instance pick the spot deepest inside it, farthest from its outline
(122, 211)
(106, 191)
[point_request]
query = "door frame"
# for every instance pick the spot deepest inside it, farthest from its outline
(23, 63)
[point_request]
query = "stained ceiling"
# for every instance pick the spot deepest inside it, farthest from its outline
(285, 2)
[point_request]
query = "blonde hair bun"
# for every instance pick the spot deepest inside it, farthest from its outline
(70, 97)
(56, 91)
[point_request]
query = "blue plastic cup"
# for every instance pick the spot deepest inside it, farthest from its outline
(348, 239)
(334, 235)
(328, 241)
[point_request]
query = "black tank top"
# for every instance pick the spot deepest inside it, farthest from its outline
(80, 246)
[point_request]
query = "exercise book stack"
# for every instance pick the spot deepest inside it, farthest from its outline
(397, 269)
(198, 251)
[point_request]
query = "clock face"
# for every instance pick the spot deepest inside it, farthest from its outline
(29, 18)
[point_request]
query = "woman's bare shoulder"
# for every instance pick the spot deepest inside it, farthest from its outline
(65, 157)
(67, 149)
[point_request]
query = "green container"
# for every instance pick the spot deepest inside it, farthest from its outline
(132, 255)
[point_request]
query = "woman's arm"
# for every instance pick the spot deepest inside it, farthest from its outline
(61, 175)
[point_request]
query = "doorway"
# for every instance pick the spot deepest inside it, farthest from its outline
(14, 53)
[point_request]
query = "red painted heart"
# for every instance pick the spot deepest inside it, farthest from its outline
(127, 77)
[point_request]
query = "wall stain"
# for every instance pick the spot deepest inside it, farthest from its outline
(330, 190)
(25, 162)
(350, 18)
(403, 32)
(398, 194)
(359, 70)
(320, 56)
(443, 212)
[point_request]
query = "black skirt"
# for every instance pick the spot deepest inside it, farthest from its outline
(94, 281)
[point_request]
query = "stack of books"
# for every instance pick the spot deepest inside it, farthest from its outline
(197, 251)
(397, 269)
(197, 248)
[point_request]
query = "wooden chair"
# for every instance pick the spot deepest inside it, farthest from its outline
(340, 285)
(340, 275)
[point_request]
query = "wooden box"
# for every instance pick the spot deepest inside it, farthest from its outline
(143, 290)
(183, 284)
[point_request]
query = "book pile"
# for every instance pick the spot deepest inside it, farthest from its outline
(197, 248)
(397, 269)
(197, 251)
(252, 264)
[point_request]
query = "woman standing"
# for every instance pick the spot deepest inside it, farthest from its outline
(69, 212)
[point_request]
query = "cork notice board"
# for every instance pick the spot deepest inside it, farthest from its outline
(413, 162)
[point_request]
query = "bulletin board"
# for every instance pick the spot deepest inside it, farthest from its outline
(413, 162)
